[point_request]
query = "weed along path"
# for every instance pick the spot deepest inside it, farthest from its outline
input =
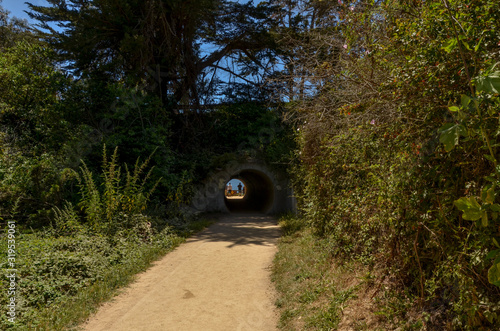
(218, 280)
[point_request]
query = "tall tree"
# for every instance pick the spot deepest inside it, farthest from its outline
(155, 42)
(307, 34)
(11, 29)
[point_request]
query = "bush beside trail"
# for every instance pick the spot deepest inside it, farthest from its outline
(397, 165)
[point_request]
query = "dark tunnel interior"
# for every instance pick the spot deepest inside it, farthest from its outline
(259, 195)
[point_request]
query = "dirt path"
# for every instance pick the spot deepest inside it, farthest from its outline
(218, 280)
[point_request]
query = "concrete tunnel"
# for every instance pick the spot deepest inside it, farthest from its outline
(259, 196)
(267, 191)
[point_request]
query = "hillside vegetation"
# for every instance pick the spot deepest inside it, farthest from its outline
(397, 166)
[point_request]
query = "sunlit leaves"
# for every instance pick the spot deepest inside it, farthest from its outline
(471, 208)
(450, 134)
(489, 83)
(450, 45)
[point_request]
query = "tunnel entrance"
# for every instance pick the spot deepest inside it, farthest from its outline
(258, 196)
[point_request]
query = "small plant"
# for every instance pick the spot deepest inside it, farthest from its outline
(67, 221)
(115, 204)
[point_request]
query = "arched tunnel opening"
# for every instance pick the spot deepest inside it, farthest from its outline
(259, 193)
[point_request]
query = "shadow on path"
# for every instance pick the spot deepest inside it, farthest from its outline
(242, 229)
(219, 280)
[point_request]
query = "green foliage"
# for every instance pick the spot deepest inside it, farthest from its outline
(66, 220)
(11, 30)
(239, 123)
(36, 184)
(391, 169)
(477, 113)
(58, 277)
(31, 116)
(136, 119)
(450, 134)
(34, 127)
(118, 204)
(251, 130)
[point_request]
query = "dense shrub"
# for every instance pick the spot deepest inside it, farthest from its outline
(397, 159)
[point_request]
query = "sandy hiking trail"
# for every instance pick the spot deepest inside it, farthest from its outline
(218, 280)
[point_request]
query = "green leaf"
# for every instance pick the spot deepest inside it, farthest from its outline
(494, 274)
(493, 254)
(488, 194)
(466, 45)
(465, 101)
(463, 203)
(450, 134)
(489, 84)
(484, 192)
(470, 207)
(474, 202)
(476, 48)
(490, 178)
(453, 108)
(495, 242)
(495, 207)
(489, 158)
(450, 45)
(484, 218)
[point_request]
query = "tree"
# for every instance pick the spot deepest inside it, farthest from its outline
(11, 29)
(31, 114)
(156, 42)
(307, 36)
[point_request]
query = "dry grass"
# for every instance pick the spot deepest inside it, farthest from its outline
(318, 293)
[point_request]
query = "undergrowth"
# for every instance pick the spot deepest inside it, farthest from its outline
(315, 291)
(94, 246)
(397, 166)
(381, 201)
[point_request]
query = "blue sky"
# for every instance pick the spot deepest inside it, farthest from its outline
(235, 182)
(17, 7)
